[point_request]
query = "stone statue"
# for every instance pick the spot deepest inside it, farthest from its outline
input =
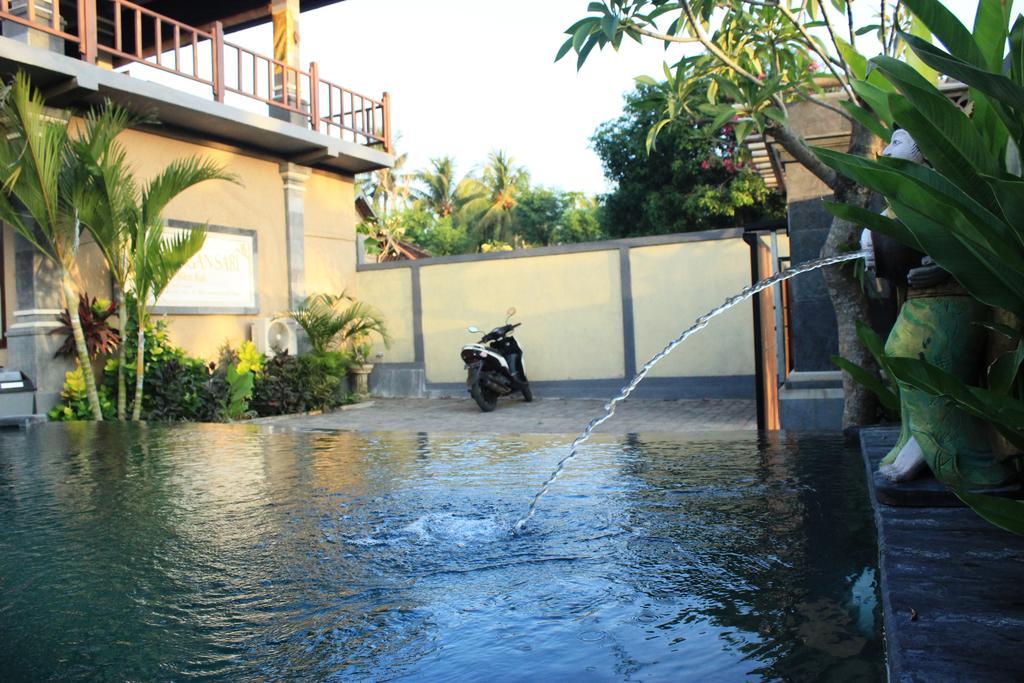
(937, 323)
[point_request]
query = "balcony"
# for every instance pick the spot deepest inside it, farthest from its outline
(193, 79)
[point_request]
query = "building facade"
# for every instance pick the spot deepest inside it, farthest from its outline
(294, 140)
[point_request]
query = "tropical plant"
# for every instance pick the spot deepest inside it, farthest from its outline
(74, 403)
(329, 327)
(41, 178)
(966, 208)
(105, 206)
(388, 189)
(155, 257)
(494, 197)
(94, 315)
(693, 179)
(887, 393)
(759, 58)
(439, 191)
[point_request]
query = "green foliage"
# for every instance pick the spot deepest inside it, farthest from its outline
(74, 403)
(966, 208)
(692, 180)
(329, 326)
(240, 386)
(94, 315)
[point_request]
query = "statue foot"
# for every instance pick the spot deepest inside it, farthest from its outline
(908, 465)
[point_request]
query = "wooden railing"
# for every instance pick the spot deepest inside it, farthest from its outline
(203, 56)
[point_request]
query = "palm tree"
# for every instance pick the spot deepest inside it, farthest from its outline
(495, 196)
(106, 209)
(156, 259)
(440, 189)
(41, 179)
(122, 222)
(387, 188)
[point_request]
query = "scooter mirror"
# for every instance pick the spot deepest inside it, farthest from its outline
(510, 312)
(473, 328)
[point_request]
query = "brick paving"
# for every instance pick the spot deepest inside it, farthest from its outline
(543, 416)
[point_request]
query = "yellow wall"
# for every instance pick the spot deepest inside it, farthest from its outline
(673, 284)
(330, 223)
(570, 306)
(390, 293)
(255, 203)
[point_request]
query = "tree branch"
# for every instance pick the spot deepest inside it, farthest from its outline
(662, 36)
(826, 105)
(832, 36)
(795, 145)
(813, 46)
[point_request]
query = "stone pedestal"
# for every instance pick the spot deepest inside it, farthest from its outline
(30, 346)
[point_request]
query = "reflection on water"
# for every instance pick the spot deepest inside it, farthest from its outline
(230, 552)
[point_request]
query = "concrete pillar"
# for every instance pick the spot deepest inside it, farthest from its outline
(285, 17)
(38, 303)
(294, 178)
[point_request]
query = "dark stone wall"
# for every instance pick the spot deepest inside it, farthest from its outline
(814, 336)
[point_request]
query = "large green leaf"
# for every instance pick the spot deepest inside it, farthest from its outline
(994, 84)
(948, 29)
(886, 396)
(990, 28)
(876, 222)
(875, 97)
(1003, 371)
(947, 125)
(918, 29)
(907, 186)
(1004, 413)
(874, 344)
(1005, 513)
(867, 119)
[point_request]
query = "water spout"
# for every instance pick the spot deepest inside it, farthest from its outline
(699, 324)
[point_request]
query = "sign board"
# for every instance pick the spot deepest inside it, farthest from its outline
(221, 278)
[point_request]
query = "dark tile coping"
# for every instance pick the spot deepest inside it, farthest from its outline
(950, 585)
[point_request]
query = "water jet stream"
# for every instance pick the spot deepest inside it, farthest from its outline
(699, 324)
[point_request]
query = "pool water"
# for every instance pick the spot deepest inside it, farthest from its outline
(238, 552)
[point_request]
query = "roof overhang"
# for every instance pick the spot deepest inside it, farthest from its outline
(72, 83)
(234, 14)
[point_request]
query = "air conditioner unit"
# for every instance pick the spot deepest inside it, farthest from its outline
(275, 335)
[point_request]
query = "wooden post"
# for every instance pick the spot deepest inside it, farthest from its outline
(314, 97)
(218, 61)
(87, 32)
(387, 123)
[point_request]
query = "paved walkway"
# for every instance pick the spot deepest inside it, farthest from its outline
(543, 416)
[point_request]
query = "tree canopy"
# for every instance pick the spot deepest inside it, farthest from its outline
(692, 179)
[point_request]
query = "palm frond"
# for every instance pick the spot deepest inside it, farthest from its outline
(177, 177)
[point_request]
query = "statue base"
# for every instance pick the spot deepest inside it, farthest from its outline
(927, 491)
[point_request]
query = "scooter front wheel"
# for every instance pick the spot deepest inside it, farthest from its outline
(527, 392)
(487, 400)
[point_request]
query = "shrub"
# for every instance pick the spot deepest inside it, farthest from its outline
(100, 337)
(295, 384)
(75, 405)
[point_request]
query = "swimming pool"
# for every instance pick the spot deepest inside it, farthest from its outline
(233, 551)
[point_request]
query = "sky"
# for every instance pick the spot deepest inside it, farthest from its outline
(467, 77)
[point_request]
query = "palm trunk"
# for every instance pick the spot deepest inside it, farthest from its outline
(71, 301)
(140, 368)
(122, 358)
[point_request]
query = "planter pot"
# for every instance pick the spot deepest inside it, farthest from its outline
(357, 378)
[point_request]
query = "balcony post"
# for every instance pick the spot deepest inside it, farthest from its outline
(387, 123)
(218, 61)
(87, 32)
(314, 97)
